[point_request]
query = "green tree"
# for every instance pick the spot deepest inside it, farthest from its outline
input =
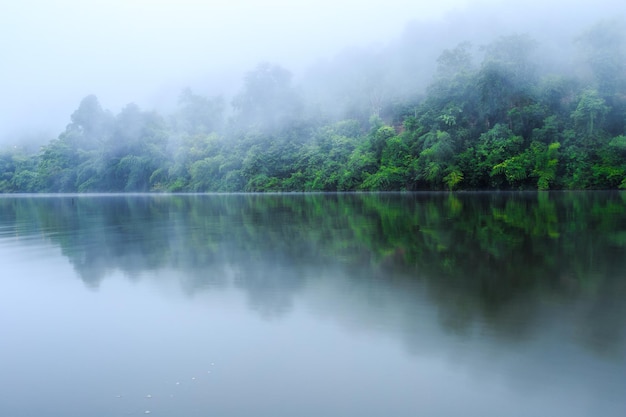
(57, 166)
(590, 112)
(546, 159)
(493, 149)
(134, 152)
(506, 76)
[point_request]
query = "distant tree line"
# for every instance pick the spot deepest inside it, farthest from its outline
(501, 123)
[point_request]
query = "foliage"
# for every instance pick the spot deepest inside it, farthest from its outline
(495, 124)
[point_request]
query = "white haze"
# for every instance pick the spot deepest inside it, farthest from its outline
(56, 52)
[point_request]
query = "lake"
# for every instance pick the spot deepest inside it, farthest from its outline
(472, 304)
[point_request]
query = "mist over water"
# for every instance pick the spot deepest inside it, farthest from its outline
(312, 304)
(343, 304)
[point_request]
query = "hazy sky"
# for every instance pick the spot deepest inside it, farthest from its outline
(56, 52)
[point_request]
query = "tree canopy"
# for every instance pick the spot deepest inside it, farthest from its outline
(490, 119)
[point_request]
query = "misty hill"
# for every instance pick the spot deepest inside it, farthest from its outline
(496, 114)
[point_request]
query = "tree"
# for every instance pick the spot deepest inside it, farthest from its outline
(590, 111)
(57, 167)
(603, 50)
(495, 154)
(435, 159)
(452, 100)
(135, 150)
(455, 62)
(546, 160)
(198, 115)
(91, 125)
(268, 101)
(506, 76)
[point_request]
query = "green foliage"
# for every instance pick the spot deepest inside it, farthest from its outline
(590, 111)
(18, 172)
(515, 170)
(619, 144)
(56, 170)
(453, 179)
(498, 152)
(545, 163)
(494, 124)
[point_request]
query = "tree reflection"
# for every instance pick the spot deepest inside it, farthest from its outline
(494, 259)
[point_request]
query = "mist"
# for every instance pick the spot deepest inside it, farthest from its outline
(57, 53)
(146, 52)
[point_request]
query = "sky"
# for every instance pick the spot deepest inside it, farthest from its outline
(54, 53)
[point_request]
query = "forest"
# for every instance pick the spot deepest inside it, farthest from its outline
(491, 118)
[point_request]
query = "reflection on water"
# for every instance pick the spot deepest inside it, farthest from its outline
(362, 304)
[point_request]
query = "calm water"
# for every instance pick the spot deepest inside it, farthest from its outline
(313, 305)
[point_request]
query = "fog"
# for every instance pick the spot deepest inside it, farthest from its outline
(56, 53)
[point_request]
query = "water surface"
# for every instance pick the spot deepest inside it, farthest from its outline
(477, 304)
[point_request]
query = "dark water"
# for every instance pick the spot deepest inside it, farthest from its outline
(313, 305)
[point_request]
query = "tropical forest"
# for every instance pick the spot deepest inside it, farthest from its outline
(490, 117)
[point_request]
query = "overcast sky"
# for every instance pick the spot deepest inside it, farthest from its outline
(56, 52)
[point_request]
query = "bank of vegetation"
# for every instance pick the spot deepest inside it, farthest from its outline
(492, 118)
